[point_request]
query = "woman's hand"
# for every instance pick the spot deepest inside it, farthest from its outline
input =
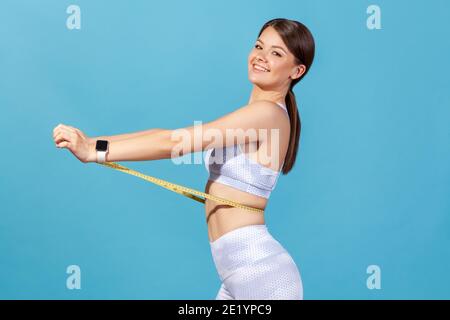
(76, 141)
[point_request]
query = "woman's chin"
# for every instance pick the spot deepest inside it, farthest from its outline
(255, 80)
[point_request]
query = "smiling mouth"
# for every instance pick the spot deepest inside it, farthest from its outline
(260, 68)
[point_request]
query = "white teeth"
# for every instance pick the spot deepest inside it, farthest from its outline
(260, 68)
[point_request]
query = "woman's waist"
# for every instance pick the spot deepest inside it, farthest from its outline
(222, 218)
(223, 221)
(229, 193)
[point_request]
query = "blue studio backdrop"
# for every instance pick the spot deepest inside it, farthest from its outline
(368, 196)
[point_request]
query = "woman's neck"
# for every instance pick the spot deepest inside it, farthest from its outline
(259, 94)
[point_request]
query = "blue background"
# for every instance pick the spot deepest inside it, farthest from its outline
(371, 184)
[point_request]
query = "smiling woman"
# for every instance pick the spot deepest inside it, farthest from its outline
(250, 262)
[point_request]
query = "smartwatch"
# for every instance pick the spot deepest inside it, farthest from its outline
(101, 147)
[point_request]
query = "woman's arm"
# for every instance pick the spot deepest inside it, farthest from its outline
(161, 143)
(83, 147)
(137, 146)
(124, 136)
(115, 138)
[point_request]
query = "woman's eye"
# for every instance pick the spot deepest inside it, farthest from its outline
(257, 46)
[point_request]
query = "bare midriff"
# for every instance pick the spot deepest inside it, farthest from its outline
(223, 218)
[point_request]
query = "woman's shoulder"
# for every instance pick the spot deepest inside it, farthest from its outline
(267, 106)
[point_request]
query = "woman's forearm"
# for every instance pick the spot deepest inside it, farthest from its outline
(125, 135)
(151, 144)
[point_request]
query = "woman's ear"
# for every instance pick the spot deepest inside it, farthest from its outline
(298, 71)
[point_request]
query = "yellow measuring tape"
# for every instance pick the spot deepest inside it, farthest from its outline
(188, 192)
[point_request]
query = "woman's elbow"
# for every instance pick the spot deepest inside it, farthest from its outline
(170, 144)
(179, 142)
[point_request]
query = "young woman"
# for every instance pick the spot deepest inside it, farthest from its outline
(250, 262)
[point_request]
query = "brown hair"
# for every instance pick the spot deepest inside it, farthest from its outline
(300, 43)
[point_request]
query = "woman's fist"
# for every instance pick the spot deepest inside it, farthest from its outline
(76, 141)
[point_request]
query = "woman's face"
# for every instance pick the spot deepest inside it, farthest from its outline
(277, 63)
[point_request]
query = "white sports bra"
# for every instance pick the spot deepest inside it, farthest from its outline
(230, 166)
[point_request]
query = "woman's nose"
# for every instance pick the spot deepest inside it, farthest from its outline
(260, 58)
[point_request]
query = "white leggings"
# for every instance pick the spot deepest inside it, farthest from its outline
(253, 265)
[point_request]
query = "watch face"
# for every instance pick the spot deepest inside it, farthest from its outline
(102, 145)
